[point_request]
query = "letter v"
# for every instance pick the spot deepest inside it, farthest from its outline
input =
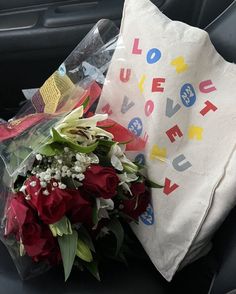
(168, 189)
(126, 105)
(170, 108)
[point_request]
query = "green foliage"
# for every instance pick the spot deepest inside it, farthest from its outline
(116, 228)
(83, 251)
(68, 247)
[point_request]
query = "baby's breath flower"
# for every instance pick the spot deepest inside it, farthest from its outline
(33, 184)
(61, 186)
(39, 157)
(43, 184)
(68, 173)
(57, 177)
(64, 168)
(45, 192)
(78, 169)
(80, 177)
(47, 177)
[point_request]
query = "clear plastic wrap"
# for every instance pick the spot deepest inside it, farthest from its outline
(80, 76)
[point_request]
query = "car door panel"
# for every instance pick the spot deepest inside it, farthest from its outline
(37, 35)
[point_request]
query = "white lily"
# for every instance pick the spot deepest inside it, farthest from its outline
(126, 179)
(119, 161)
(82, 130)
(103, 206)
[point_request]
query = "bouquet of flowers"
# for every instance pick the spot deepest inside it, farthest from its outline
(67, 185)
(79, 187)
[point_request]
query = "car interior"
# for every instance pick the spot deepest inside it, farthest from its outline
(35, 38)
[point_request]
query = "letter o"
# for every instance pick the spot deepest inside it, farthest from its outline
(149, 107)
(153, 55)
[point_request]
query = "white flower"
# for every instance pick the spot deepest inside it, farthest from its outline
(57, 177)
(79, 130)
(93, 158)
(23, 188)
(80, 158)
(47, 177)
(33, 184)
(61, 186)
(64, 168)
(116, 163)
(126, 179)
(78, 169)
(66, 149)
(68, 173)
(103, 206)
(39, 157)
(119, 161)
(80, 177)
(43, 184)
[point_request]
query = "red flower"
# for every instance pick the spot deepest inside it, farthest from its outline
(81, 208)
(37, 238)
(101, 181)
(52, 207)
(18, 213)
(40, 244)
(138, 203)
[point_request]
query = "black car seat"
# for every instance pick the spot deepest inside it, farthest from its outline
(223, 35)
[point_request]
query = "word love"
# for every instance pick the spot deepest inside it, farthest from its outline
(154, 55)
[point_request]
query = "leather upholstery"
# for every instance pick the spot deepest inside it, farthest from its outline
(139, 278)
(223, 33)
(225, 249)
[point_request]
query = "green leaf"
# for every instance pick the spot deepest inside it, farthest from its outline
(68, 247)
(130, 168)
(116, 228)
(82, 149)
(57, 137)
(95, 215)
(121, 195)
(62, 227)
(47, 150)
(83, 251)
(86, 102)
(85, 236)
(106, 143)
(140, 166)
(92, 267)
(127, 217)
(153, 185)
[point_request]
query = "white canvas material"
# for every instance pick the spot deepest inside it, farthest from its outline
(169, 86)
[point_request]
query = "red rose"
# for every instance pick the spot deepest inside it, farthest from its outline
(138, 203)
(81, 208)
(40, 244)
(18, 213)
(101, 181)
(37, 238)
(52, 207)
